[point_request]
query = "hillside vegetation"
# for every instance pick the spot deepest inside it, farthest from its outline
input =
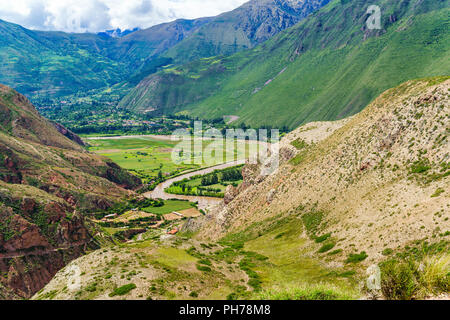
(326, 67)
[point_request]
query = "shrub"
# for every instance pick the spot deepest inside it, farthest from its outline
(279, 235)
(255, 283)
(205, 262)
(193, 294)
(299, 144)
(334, 252)
(326, 247)
(317, 292)
(92, 287)
(436, 274)
(323, 238)
(355, 258)
(232, 296)
(347, 274)
(237, 245)
(421, 166)
(203, 268)
(387, 252)
(123, 290)
(437, 193)
(312, 221)
(398, 281)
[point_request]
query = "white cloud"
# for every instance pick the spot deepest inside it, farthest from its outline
(99, 15)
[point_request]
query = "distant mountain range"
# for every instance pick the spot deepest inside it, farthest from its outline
(117, 33)
(326, 67)
(269, 62)
(39, 63)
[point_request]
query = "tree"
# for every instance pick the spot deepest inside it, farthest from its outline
(214, 179)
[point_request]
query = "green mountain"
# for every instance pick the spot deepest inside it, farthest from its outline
(253, 23)
(55, 64)
(326, 67)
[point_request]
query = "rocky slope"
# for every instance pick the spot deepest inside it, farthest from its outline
(47, 183)
(378, 182)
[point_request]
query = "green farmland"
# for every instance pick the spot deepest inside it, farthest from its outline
(151, 158)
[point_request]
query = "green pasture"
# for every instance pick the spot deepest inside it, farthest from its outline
(169, 207)
(147, 157)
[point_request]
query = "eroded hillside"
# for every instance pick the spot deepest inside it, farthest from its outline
(379, 182)
(47, 183)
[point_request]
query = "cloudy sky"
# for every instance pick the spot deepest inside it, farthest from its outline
(100, 15)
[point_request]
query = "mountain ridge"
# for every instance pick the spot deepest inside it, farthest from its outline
(327, 67)
(69, 62)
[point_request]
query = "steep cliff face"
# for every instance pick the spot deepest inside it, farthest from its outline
(48, 182)
(39, 234)
(377, 181)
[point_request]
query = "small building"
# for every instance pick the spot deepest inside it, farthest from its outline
(173, 231)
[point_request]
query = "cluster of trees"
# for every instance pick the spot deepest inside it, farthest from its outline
(187, 190)
(225, 177)
(232, 174)
(131, 223)
(209, 180)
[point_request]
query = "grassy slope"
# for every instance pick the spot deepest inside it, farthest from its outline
(170, 269)
(64, 62)
(335, 73)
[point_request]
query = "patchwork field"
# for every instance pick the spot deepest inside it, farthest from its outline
(146, 157)
(151, 157)
(169, 207)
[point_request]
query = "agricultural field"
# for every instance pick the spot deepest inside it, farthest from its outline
(146, 157)
(145, 215)
(169, 207)
(150, 158)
